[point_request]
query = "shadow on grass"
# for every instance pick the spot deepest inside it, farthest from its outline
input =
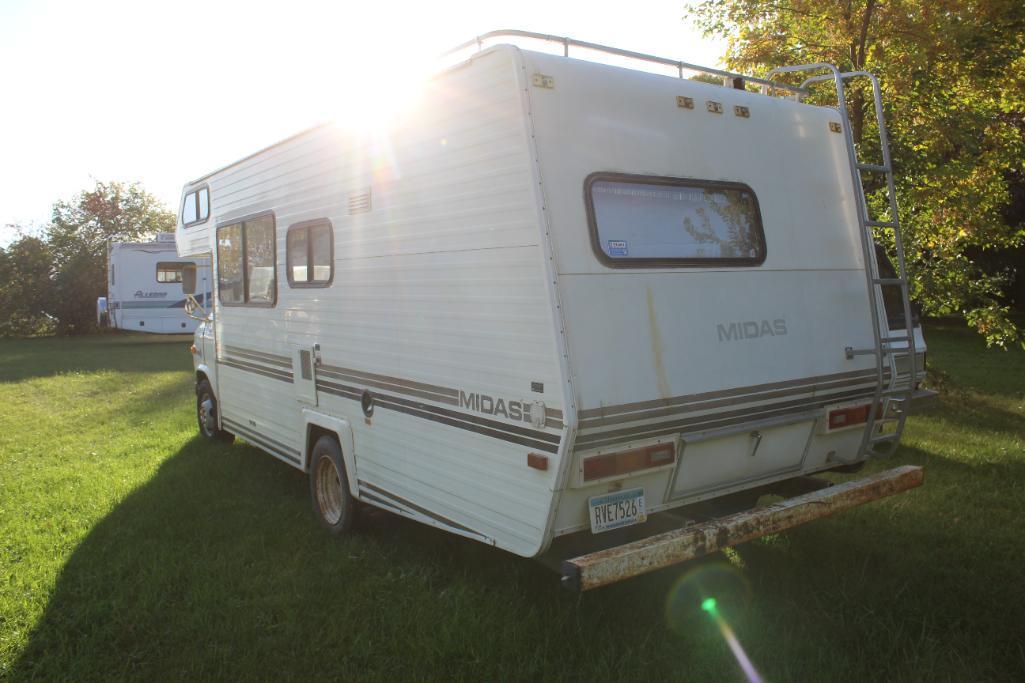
(215, 569)
(22, 359)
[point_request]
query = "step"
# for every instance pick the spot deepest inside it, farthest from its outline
(874, 167)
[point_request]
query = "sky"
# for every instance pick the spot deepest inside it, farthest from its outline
(161, 92)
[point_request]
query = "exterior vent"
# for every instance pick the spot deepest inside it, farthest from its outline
(359, 201)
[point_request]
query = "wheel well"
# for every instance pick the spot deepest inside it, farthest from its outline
(200, 376)
(313, 433)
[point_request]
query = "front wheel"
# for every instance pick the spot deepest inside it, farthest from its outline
(206, 414)
(333, 505)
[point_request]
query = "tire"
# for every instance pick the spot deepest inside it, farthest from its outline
(333, 505)
(206, 414)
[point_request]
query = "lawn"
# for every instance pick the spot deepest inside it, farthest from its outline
(131, 549)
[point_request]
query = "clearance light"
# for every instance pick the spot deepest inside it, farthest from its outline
(611, 464)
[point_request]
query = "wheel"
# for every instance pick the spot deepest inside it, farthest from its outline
(333, 505)
(206, 414)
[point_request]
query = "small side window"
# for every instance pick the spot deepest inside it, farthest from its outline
(196, 207)
(171, 272)
(309, 254)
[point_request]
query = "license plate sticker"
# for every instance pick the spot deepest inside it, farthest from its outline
(617, 509)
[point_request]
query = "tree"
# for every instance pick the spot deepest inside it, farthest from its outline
(26, 288)
(78, 235)
(953, 76)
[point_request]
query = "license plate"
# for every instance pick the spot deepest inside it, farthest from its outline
(617, 509)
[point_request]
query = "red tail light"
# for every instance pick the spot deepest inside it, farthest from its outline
(854, 415)
(611, 464)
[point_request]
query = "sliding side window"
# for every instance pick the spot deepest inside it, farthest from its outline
(648, 221)
(310, 254)
(246, 270)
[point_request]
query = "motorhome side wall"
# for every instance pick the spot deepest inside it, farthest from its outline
(440, 307)
(137, 301)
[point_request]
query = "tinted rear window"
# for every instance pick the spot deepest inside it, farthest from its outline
(657, 221)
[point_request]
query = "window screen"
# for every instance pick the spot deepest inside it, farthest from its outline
(231, 286)
(189, 214)
(171, 272)
(261, 284)
(204, 203)
(310, 254)
(654, 221)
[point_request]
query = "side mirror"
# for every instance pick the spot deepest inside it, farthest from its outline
(189, 280)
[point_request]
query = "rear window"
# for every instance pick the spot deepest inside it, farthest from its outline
(639, 221)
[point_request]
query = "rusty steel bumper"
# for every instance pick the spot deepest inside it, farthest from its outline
(621, 562)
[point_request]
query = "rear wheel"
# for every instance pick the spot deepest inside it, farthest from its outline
(333, 505)
(206, 414)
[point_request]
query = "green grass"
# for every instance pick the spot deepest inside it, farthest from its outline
(130, 549)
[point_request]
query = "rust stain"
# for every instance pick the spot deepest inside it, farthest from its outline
(671, 547)
(656, 348)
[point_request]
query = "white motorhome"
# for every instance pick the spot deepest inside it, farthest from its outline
(557, 298)
(144, 287)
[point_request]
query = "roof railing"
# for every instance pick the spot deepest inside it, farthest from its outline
(568, 42)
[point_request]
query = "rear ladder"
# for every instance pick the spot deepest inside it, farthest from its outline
(893, 350)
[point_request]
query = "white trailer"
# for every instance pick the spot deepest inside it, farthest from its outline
(556, 299)
(144, 287)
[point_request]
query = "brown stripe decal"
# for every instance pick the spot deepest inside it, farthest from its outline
(715, 420)
(493, 428)
(392, 500)
(709, 404)
(606, 411)
(273, 373)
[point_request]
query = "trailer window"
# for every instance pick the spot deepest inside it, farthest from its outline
(196, 207)
(309, 253)
(171, 272)
(641, 221)
(246, 262)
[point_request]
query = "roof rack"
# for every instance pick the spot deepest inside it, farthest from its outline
(567, 42)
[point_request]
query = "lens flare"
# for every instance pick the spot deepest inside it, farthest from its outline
(710, 591)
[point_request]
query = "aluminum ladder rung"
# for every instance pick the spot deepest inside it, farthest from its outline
(891, 340)
(882, 438)
(878, 168)
(888, 280)
(881, 224)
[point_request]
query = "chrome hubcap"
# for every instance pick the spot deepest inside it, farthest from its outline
(206, 415)
(329, 489)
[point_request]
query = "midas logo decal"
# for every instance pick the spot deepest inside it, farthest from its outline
(752, 329)
(482, 403)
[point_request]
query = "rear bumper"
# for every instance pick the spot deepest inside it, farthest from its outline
(640, 557)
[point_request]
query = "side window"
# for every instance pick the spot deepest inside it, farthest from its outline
(196, 207)
(171, 272)
(246, 270)
(309, 254)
